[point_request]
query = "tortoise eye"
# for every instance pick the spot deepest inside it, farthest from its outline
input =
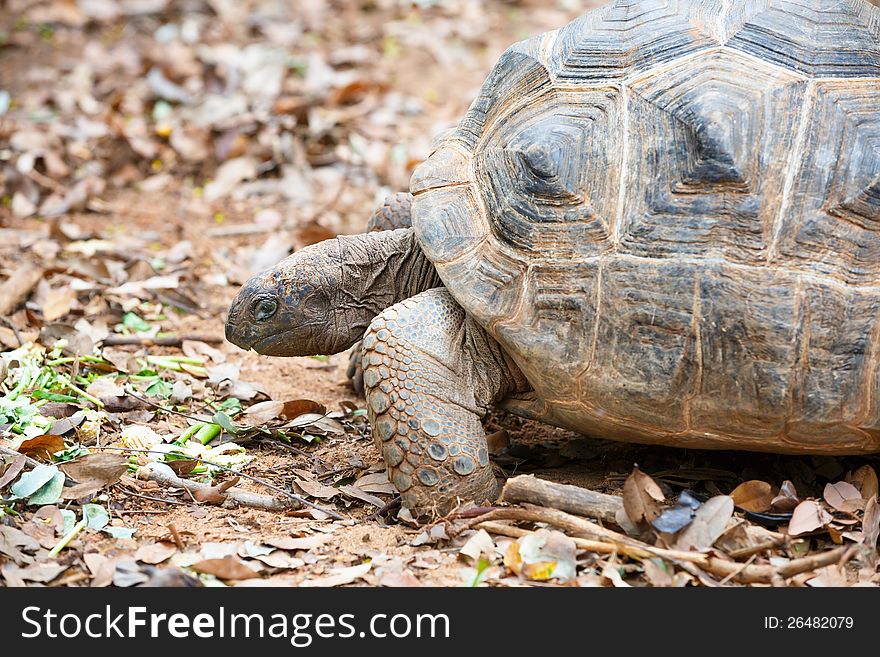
(264, 309)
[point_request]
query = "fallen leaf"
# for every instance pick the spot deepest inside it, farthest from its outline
(641, 497)
(227, 568)
(263, 412)
(480, 543)
(865, 479)
(543, 555)
(402, 579)
(316, 489)
(155, 552)
(754, 495)
(42, 447)
(807, 517)
(93, 472)
(12, 470)
(358, 494)
(301, 543)
(871, 523)
(709, 523)
(339, 576)
(786, 500)
(843, 497)
(58, 303)
(376, 482)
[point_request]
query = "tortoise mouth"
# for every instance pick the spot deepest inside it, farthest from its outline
(262, 345)
(266, 344)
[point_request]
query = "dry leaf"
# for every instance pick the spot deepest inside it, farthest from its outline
(316, 489)
(786, 500)
(871, 523)
(339, 576)
(358, 494)
(865, 479)
(709, 523)
(42, 447)
(807, 517)
(12, 470)
(58, 303)
(753, 495)
(843, 497)
(303, 543)
(226, 568)
(641, 497)
(480, 543)
(155, 552)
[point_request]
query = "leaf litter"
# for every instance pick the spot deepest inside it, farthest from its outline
(150, 178)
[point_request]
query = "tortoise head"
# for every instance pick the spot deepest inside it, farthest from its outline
(291, 309)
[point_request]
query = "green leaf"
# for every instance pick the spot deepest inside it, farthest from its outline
(30, 482)
(224, 421)
(119, 532)
(96, 516)
(69, 520)
(135, 322)
(50, 492)
(158, 388)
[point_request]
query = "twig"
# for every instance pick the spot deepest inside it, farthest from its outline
(167, 341)
(176, 536)
(256, 480)
(168, 478)
(163, 408)
(11, 452)
(383, 510)
(573, 499)
(634, 548)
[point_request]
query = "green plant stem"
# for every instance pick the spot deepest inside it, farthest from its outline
(67, 538)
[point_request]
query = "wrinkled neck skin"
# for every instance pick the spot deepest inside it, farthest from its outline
(328, 293)
(378, 270)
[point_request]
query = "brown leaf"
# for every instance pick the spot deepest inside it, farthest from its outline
(376, 482)
(641, 497)
(865, 479)
(264, 412)
(340, 576)
(358, 494)
(871, 523)
(226, 568)
(754, 495)
(12, 470)
(843, 497)
(300, 543)
(101, 467)
(155, 553)
(42, 447)
(498, 442)
(786, 500)
(403, 579)
(807, 517)
(316, 489)
(709, 523)
(58, 303)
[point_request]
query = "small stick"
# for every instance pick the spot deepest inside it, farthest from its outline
(256, 480)
(176, 536)
(393, 504)
(573, 499)
(236, 495)
(640, 550)
(167, 341)
(17, 287)
(11, 452)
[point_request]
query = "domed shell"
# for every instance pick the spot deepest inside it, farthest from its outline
(668, 213)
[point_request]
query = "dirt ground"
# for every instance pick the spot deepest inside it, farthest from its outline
(405, 72)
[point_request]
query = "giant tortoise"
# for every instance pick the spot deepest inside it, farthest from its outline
(658, 224)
